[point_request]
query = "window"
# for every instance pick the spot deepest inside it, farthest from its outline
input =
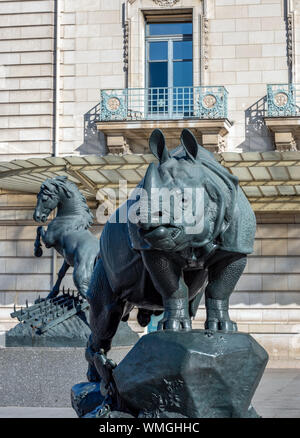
(169, 75)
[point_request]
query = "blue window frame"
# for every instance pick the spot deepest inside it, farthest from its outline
(169, 69)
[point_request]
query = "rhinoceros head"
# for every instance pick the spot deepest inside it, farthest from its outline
(180, 204)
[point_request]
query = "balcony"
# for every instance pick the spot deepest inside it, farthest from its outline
(164, 103)
(283, 100)
(283, 115)
(129, 115)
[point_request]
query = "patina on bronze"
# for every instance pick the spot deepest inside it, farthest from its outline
(158, 266)
(62, 319)
(68, 233)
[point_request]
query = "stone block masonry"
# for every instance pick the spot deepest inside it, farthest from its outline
(26, 52)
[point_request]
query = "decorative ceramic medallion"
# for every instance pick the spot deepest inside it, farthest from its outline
(281, 99)
(166, 2)
(113, 104)
(209, 101)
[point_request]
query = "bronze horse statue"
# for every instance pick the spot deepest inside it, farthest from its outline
(68, 233)
(157, 265)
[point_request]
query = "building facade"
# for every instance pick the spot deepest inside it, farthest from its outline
(94, 77)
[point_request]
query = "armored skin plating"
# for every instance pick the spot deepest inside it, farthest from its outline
(165, 266)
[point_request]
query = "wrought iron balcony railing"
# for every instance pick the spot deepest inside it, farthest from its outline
(283, 100)
(163, 103)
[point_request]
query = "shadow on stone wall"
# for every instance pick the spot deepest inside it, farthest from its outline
(94, 141)
(258, 138)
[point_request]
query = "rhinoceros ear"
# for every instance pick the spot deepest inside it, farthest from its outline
(189, 144)
(158, 147)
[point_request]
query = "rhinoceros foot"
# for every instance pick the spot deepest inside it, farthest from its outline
(175, 323)
(223, 325)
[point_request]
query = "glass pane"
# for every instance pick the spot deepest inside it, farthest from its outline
(183, 74)
(158, 50)
(183, 101)
(170, 28)
(158, 101)
(158, 74)
(183, 50)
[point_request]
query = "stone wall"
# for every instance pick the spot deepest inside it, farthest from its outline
(91, 54)
(241, 44)
(266, 302)
(26, 83)
(247, 50)
(92, 59)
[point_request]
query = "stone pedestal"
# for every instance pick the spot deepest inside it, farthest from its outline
(196, 374)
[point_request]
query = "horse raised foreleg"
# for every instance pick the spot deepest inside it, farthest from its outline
(38, 252)
(60, 276)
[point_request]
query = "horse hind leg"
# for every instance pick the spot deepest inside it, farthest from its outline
(62, 272)
(105, 315)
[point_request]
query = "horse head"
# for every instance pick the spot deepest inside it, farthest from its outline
(53, 191)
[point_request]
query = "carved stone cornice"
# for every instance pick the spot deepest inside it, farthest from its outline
(165, 3)
(162, 3)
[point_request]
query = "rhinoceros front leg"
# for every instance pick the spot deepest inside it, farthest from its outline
(223, 277)
(167, 277)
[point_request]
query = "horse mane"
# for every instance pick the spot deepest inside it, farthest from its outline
(54, 186)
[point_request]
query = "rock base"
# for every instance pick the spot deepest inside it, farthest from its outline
(86, 397)
(196, 374)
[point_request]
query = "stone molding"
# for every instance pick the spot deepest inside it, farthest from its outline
(286, 131)
(165, 3)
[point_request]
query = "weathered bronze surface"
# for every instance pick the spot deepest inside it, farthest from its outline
(68, 233)
(62, 320)
(161, 265)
